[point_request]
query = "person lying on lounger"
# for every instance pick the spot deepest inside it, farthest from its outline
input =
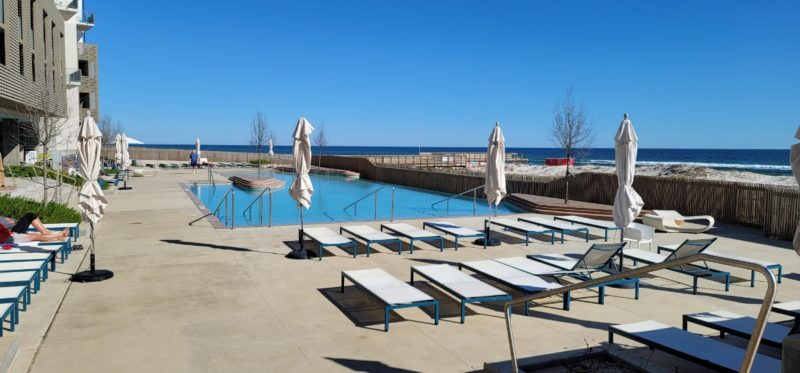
(18, 230)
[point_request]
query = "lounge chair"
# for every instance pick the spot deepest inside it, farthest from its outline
(40, 266)
(326, 237)
(370, 236)
(516, 279)
(29, 257)
(790, 309)
(466, 288)
(29, 279)
(741, 326)
(62, 247)
(17, 295)
(557, 226)
(640, 234)
(413, 234)
(707, 352)
(74, 229)
(605, 225)
(454, 230)
(7, 312)
(390, 291)
(142, 172)
(673, 221)
(523, 228)
(763, 263)
(688, 247)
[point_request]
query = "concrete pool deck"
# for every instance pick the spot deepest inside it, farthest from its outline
(196, 298)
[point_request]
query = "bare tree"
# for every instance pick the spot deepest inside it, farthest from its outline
(320, 139)
(259, 135)
(571, 132)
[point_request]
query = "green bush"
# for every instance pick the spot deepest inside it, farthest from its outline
(32, 172)
(16, 207)
(263, 161)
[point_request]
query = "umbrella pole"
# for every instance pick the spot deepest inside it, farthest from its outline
(487, 231)
(93, 274)
(302, 253)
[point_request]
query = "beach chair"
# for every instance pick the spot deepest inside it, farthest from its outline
(371, 236)
(707, 352)
(726, 322)
(466, 288)
(40, 266)
(16, 295)
(688, 247)
(640, 234)
(29, 279)
(526, 229)
(63, 248)
(673, 221)
(74, 229)
(558, 226)
(413, 234)
(326, 237)
(29, 257)
(454, 230)
(763, 263)
(605, 225)
(513, 278)
(393, 293)
(142, 172)
(7, 313)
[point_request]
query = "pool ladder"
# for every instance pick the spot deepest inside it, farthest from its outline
(228, 200)
(474, 192)
(248, 211)
(354, 205)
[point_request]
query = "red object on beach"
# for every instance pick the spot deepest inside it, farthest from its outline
(559, 161)
(7, 247)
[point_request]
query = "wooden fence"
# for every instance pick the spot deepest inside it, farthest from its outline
(156, 154)
(775, 209)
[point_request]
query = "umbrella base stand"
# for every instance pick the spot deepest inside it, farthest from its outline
(492, 241)
(92, 275)
(297, 254)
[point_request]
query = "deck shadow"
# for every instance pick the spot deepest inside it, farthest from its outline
(369, 366)
(205, 244)
(448, 307)
(363, 310)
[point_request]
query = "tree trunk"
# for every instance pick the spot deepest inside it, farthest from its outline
(259, 160)
(566, 184)
(44, 177)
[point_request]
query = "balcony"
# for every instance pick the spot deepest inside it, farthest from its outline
(86, 22)
(67, 7)
(73, 77)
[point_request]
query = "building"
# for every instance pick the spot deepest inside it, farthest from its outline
(46, 71)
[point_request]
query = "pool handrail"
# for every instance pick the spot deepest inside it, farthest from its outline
(474, 199)
(249, 207)
(214, 212)
(374, 192)
(758, 330)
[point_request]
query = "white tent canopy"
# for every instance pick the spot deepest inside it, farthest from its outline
(627, 203)
(795, 161)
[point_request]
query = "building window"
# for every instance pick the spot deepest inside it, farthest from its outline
(2, 42)
(44, 34)
(21, 60)
(2, 12)
(33, 67)
(83, 65)
(85, 100)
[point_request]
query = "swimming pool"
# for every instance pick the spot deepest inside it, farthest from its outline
(332, 199)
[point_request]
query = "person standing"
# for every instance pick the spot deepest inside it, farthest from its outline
(193, 160)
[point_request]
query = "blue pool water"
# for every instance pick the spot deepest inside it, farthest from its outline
(332, 193)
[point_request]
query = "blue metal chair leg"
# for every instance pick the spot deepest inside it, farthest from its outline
(462, 311)
(386, 319)
(636, 291)
(752, 279)
(436, 313)
(601, 297)
(567, 301)
(694, 285)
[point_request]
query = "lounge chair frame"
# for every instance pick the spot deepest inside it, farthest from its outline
(455, 236)
(461, 299)
(389, 307)
(695, 270)
(722, 329)
(559, 229)
(412, 239)
(10, 313)
(42, 269)
(527, 233)
(33, 283)
(369, 242)
(74, 229)
(776, 266)
(588, 222)
(321, 245)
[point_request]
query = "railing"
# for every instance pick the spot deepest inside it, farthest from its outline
(88, 20)
(228, 202)
(57, 185)
(248, 211)
(474, 192)
(755, 338)
(211, 176)
(71, 5)
(73, 76)
(354, 205)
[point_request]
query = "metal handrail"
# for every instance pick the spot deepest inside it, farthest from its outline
(211, 176)
(755, 337)
(249, 208)
(375, 193)
(219, 205)
(474, 192)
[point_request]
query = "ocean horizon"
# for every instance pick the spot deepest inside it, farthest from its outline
(762, 161)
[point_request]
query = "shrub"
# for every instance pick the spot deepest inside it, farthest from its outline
(32, 172)
(263, 161)
(16, 207)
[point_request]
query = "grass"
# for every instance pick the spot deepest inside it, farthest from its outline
(16, 207)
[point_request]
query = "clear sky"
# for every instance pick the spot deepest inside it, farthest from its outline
(692, 74)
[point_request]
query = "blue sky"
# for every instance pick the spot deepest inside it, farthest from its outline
(692, 74)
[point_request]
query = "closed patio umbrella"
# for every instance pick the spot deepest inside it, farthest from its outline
(126, 161)
(627, 203)
(91, 200)
(795, 160)
(197, 147)
(271, 153)
(495, 185)
(118, 148)
(301, 189)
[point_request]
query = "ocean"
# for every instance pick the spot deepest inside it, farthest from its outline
(762, 161)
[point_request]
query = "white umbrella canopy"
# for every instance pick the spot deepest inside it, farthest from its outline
(795, 161)
(197, 147)
(302, 189)
(270, 146)
(118, 146)
(627, 203)
(91, 200)
(495, 188)
(126, 157)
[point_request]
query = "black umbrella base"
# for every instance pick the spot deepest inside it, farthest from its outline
(297, 254)
(125, 188)
(92, 276)
(490, 242)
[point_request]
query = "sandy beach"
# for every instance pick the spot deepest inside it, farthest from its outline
(682, 171)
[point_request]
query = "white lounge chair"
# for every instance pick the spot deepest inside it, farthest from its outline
(640, 234)
(514, 278)
(390, 291)
(7, 312)
(559, 226)
(466, 288)
(141, 172)
(707, 352)
(40, 266)
(454, 230)
(62, 247)
(687, 248)
(370, 236)
(673, 221)
(29, 278)
(74, 229)
(523, 228)
(413, 234)
(763, 263)
(326, 237)
(605, 225)
(741, 326)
